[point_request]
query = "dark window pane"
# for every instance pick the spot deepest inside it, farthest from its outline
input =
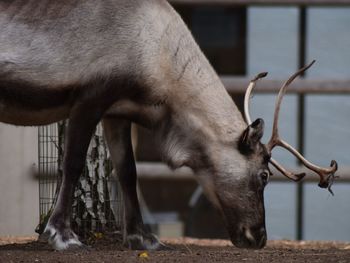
(221, 33)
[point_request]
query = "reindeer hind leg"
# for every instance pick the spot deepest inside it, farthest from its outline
(118, 135)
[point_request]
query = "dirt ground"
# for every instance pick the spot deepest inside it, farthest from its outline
(183, 250)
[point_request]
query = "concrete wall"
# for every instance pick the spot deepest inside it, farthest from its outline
(19, 193)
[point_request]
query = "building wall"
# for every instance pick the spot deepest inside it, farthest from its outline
(19, 193)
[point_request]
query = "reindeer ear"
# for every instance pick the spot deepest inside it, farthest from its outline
(251, 137)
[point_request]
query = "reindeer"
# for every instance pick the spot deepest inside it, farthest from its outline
(125, 61)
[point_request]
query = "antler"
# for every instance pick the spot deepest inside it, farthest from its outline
(247, 95)
(252, 84)
(326, 174)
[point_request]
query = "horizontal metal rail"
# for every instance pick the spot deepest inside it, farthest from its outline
(299, 86)
(157, 170)
(148, 170)
(264, 2)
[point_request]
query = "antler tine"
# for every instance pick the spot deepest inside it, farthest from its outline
(275, 136)
(326, 174)
(290, 175)
(248, 93)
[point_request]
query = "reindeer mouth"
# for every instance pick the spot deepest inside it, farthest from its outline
(250, 238)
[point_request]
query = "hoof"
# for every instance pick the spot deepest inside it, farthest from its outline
(145, 242)
(62, 240)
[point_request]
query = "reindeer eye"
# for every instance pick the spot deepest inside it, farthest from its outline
(265, 177)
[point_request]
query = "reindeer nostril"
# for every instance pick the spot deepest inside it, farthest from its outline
(248, 235)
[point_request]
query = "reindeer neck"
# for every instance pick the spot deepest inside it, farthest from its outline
(198, 97)
(195, 107)
(179, 76)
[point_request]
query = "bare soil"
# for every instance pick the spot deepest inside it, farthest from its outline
(183, 250)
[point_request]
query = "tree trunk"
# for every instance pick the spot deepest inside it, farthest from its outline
(97, 199)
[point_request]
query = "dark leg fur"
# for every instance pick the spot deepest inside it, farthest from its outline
(118, 135)
(82, 123)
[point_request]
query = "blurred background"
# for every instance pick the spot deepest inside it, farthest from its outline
(240, 40)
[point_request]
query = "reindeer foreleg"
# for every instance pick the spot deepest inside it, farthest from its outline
(82, 122)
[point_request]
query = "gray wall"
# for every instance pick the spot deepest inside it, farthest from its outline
(19, 198)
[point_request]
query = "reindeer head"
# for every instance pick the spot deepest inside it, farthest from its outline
(326, 174)
(240, 176)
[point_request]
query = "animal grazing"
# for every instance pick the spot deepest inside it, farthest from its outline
(124, 61)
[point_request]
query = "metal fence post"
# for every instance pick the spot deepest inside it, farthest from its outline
(301, 124)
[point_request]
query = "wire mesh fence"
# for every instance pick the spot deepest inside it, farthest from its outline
(97, 206)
